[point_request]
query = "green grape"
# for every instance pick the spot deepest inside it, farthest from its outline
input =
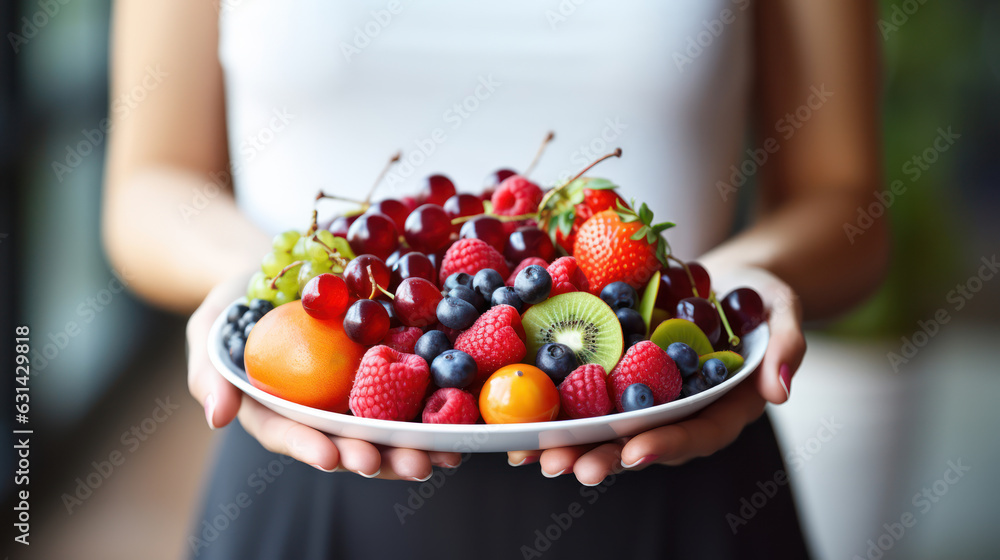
(311, 270)
(259, 288)
(281, 298)
(316, 251)
(273, 262)
(299, 252)
(338, 244)
(289, 282)
(285, 241)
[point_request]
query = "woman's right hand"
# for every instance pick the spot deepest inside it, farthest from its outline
(223, 402)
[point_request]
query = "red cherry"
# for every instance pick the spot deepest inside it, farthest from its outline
(486, 228)
(436, 190)
(366, 322)
(412, 265)
(395, 256)
(341, 224)
(529, 242)
(375, 234)
(462, 205)
(325, 296)
(428, 228)
(416, 301)
(358, 280)
(392, 208)
(494, 179)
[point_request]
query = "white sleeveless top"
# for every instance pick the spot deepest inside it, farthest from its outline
(321, 93)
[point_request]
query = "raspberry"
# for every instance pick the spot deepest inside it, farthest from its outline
(516, 196)
(451, 406)
(390, 385)
(494, 340)
(471, 256)
(402, 339)
(584, 393)
(566, 277)
(645, 363)
(524, 264)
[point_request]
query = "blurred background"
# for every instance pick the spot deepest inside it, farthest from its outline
(888, 400)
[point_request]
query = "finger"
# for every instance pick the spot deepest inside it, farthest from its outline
(281, 435)
(358, 456)
(220, 399)
(406, 464)
(448, 460)
(519, 458)
(595, 465)
(786, 347)
(712, 429)
(560, 460)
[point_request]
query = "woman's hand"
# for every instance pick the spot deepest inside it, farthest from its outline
(223, 402)
(717, 425)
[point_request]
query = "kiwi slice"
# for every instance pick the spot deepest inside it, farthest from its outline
(732, 360)
(649, 300)
(579, 320)
(681, 330)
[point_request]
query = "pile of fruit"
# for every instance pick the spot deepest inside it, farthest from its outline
(516, 305)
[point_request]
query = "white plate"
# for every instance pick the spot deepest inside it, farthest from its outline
(487, 438)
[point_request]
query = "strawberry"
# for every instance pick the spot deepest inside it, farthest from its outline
(390, 385)
(566, 277)
(621, 244)
(584, 393)
(525, 264)
(402, 339)
(451, 406)
(594, 201)
(471, 256)
(494, 340)
(645, 363)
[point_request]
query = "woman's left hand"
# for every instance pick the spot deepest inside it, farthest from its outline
(714, 427)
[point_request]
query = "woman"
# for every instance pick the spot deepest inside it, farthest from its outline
(311, 96)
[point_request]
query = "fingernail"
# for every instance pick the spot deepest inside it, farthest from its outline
(525, 461)
(424, 479)
(373, 475)
(592, 485)
(210, 410)
(645, 460)
(334, 469)
(785, 377)
(547, 475)
(447, 466)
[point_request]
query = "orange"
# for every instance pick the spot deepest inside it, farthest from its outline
(518, 393)
(304, 360)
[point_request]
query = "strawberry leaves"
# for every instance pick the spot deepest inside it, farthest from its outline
(558, 209)
(652, 234)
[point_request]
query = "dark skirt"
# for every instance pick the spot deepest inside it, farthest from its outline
(734, 504)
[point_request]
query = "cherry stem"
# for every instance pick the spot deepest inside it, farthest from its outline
(385, 170)
(687, 270)
(553, 192)
(375, 286)
(733, 339)
(282, 272)
(538, 154)
(518, 218)
(334, 254)
(321, 195)
(313, 226)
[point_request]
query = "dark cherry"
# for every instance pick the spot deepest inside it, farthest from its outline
(744, 309)
(428, 228)
(341, 224)
(701, 312)
(527, 242)
(374, 234)
(392, 208)
(436, 190)
(416, 302)
(394, 257)
(358, 280)
(486, 228)
(494, 179)
(366, 322)
(462, 205)
(675, 285)
(412, 265)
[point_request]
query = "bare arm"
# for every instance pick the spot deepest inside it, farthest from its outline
(161, 154)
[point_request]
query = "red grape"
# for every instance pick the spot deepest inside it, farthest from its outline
(325, 296)
(416, 302)
(529, 242)
(392, 208)
(366, 322)
(359, 281)
(701, 312)
(412, 265)
(744, 309)
(375, 234)
(436, 190)
(486, 228)
(428, 228)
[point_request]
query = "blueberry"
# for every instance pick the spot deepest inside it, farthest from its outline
(262, 306)
(458, 279)
(694, 385)
(468, 294)
(636, 397)
(246, 331)
(454, 368)
(251, 316)
(236, 346)
(507, 296)
(456, 313)
(619, 295)
(228, 330)
(533, 284)
(631, 321)
(556, 360)
(633, 339)
(486, 281)
(685, 358)
(235, 312)
(714, 371)
(431, 344)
